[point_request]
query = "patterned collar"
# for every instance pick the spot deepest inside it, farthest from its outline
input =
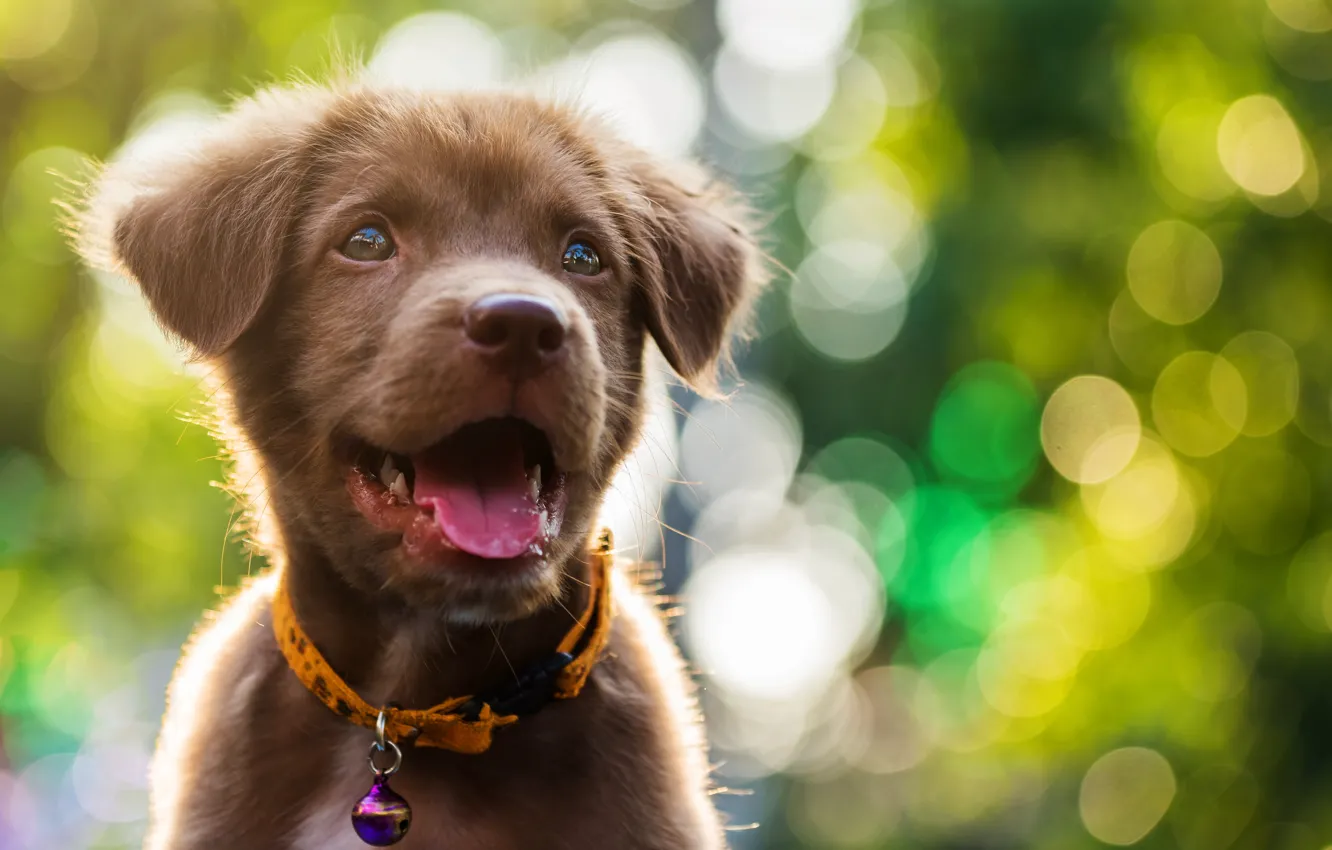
(464, 724)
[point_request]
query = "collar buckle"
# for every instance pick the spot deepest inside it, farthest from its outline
(534, 688)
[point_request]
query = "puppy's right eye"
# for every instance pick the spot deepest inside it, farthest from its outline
(581, 259)
(369, 244)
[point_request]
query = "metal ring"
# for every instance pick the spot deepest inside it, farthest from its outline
(397, 758)
(380, 725)
(383, 744)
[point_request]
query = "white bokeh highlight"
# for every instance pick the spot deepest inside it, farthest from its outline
(783, 597)
(772, 104)
(787, 33)
(643, 83)
(438, 51)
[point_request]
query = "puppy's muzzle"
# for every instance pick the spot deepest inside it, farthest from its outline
(520, 335)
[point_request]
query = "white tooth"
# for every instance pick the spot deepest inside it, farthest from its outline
(534, 481)
(399, 488)
(388, 470)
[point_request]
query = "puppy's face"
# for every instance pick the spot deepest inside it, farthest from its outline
(431, 312)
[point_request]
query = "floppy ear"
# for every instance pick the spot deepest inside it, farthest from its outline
(699, 269)
(205, 234)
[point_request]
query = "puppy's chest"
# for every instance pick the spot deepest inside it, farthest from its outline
(461, 802)
(587, 772)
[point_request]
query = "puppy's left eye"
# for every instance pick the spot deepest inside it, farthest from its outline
(581, 259)
(369, 244)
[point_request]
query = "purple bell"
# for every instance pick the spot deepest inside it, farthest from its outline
(382, 816)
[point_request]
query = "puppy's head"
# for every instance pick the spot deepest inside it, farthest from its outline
(430, 312)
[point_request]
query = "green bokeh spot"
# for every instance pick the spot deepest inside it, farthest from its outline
(941, 582)
(985, 435)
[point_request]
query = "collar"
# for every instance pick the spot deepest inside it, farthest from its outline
(464, 724)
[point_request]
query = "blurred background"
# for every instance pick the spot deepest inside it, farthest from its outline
(1014, 534)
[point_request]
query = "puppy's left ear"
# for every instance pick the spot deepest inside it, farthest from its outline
(205, 230)
(698, 268)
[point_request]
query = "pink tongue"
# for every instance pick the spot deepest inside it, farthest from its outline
(479, 491)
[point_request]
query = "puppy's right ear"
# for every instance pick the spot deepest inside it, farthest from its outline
(205, 235)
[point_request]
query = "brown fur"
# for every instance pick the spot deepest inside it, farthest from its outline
(233, 248)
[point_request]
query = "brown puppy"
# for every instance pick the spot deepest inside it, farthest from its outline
(429, 314)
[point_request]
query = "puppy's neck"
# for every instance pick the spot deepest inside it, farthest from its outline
(390, 651)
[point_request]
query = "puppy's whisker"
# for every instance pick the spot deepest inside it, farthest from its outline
(226, 538)
(659, 521)
(195, 384)
(560, 602)
(247, 502)
(666, 479)
(654, 446)
(236, 509)
(656, 513)
(503, 654)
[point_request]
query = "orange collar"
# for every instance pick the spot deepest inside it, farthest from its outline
(463, 724)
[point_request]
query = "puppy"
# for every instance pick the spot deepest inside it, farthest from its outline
(428, 315)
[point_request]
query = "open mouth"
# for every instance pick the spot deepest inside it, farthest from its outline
(490, 489)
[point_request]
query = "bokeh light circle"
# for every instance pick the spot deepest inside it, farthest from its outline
(1199, 403)
(949, 703)
(1010, 690)
(645, 85)
(751, 442)
(1139, 499)
(854, 117)
(1260, 146)
(866, 458)
(1174, 272)
(1142, 343)
(1125, 793)
(849, 300)
(786, 33)
(1186, 149)
(26, 33)
(1298, 199)
(1303, 15)
(897, 742)
(413, 54)
(1309, 583)
(985, 428)
(1090, 429)
(867, 199)
(871, 213)
(776, 617)
(1167, 540)
(1271, 376)
(772, 105)
(879, 484)
(935, 545)
(760, 625)
(1302, 54)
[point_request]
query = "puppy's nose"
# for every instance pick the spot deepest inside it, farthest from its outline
(525, 331)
